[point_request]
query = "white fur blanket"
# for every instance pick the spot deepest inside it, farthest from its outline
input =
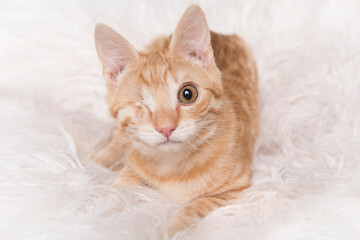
(306, 182)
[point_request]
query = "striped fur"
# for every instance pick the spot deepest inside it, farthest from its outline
(210, 161)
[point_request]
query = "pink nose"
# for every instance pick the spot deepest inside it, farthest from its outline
(166, 130)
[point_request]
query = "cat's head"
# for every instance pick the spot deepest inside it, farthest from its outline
(166, 100)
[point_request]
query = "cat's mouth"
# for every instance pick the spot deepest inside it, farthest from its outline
(169, 142)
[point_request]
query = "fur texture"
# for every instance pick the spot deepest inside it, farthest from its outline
(199, 150)
(305, 171)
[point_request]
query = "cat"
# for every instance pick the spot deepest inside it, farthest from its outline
(186, 114)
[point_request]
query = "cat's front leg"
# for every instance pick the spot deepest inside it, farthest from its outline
(127, 178)
(199, 208)
(111, 155)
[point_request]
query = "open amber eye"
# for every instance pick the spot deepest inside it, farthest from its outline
(188, 94)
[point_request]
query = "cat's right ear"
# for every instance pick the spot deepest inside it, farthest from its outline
(114, 51)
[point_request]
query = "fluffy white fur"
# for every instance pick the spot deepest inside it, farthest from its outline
(306, 182)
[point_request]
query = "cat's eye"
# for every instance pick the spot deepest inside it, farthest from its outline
(188, 94)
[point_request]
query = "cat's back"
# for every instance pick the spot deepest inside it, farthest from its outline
(237, 65)
(239, 79)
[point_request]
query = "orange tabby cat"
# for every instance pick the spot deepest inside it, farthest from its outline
(187, 113)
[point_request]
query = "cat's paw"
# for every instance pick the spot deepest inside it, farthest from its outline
(97, 159)
(126, 178)
(178, 225)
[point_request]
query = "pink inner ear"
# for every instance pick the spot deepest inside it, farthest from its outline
(202, 58)
(115, 67)
(194, 54)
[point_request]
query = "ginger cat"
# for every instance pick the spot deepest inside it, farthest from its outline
(187, 114)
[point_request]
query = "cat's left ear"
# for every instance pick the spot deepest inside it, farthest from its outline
(192, 36)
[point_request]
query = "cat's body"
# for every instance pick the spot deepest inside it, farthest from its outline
(200, 153)
(227, 156)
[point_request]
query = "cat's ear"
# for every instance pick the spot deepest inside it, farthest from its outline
(114, 51)
(192, 36)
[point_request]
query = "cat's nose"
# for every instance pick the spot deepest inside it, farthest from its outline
(166, 130)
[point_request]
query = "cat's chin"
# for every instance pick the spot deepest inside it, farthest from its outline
(170, 146)
(169, 142)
